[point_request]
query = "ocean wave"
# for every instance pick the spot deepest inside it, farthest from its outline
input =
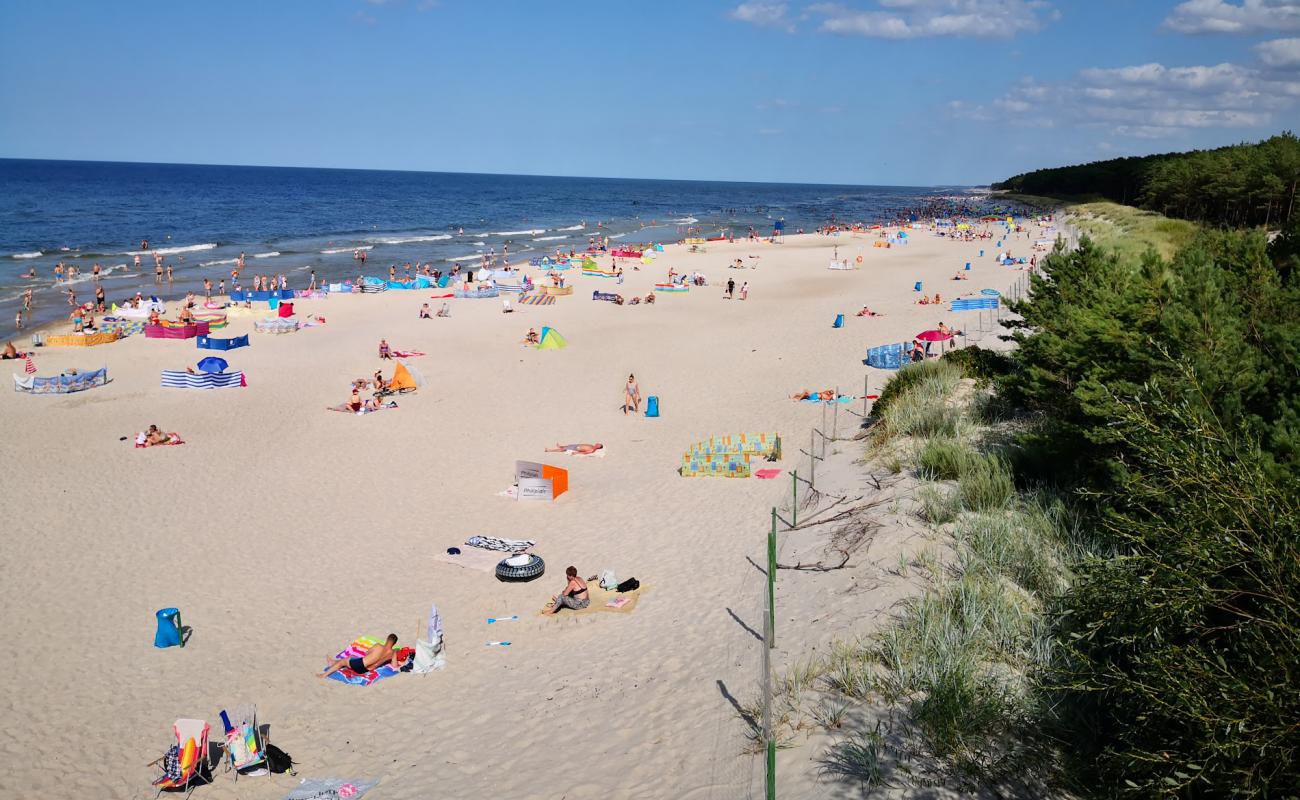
(331, 251)
(616, 236)
(532, 232)
(572, 228)
(684, 221)
(167, 251)
(36, 254)
(470, 257)
(409, 239)
(271, 254)
(481, 235)
(219, 262)
(549, 238)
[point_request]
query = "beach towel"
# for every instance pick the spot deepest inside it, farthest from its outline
(471, 558)
(501, 545)
(844, 398)
(602, 601)
(330, 789)
(172, 438)
(597, 454)
(442, 296)
(536, 300)
(767, 474)
(357, 649)
(407, 353)
(346, 408)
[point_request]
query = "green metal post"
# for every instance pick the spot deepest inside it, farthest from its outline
(794, 504)
(771, 582)
(771, 769)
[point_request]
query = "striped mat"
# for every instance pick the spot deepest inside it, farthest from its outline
(977, 304)
(536, 300)
(176, 379)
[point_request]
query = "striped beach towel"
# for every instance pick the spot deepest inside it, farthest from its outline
(30, 367)
(502, 545)
(536, 300)
(358, 649)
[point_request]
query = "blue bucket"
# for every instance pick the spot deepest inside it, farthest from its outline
(652, 406)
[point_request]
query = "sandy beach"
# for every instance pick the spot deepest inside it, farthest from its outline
(282, 532)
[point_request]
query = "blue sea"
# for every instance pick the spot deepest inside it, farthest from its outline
(292, 220)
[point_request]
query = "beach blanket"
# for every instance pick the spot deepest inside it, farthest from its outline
(347, 408)
(357, 649)
(179, 379)
(122, 326)
(471, 558)
(974, 304)
(536, 300)
(330, 789)
(61, 384)
(407, 353)
(671, 287)
(610, 296)
(844, 398)
(172, 438)
(767, 474)
(597, 454)
(501, 545)
(602, 601)
(442, 296)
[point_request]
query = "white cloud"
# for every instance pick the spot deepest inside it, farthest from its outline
(1148, 100)
(1221, 16)
(1280, 53)
(913, 19)
(762, 14)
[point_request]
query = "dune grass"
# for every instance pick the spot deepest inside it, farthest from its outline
(1129, 230)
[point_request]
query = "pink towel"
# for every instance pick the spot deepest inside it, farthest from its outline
(765, 474)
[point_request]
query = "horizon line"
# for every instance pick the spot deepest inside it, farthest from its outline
(503, 174)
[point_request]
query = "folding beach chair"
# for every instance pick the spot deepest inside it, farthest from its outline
(245, 743)
(186, 762)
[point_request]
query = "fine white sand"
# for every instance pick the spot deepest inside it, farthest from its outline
(283, 531)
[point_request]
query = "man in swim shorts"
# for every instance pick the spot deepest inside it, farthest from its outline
(373, 659)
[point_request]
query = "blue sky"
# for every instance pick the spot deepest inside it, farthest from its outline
(858, 91)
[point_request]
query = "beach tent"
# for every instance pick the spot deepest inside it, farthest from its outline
(403, 380)
(551, 340)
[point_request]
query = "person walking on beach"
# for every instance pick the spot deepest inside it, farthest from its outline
(221, 287)
(94, 272)
(207, 288)
(731, 288)
(744, 290)
(312, 286)
(631, 395)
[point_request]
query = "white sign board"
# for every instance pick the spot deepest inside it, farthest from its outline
(535, 489)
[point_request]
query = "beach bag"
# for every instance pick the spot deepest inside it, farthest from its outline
(629, 585)
(608, 580)
(278, 761)
(652, 406)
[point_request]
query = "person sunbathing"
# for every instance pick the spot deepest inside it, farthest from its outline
(11, 352)
(924, 301)
(574, 595)
(373, 659)
(960, 277)
(580, 449)
(444, 311)
(531, 337)
(424, 312)
(385, 351)
(824, 394)
(379, 382)
(866, 312)
(154, 436)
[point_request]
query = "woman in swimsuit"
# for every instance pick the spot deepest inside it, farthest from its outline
(574, 595)
(580, 449)
(631, 395)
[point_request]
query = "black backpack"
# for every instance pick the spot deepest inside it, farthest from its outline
(629, 585)
(278, 761)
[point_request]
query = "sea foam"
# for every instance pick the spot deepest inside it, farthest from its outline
(167, 251)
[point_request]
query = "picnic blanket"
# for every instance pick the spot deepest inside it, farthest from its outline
(502, 545)
(602, 601)
(357, 649)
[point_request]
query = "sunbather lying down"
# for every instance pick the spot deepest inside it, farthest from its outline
(580, 449)
(824, 394)
(373, 659)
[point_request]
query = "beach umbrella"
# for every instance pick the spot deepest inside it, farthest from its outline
(213, 365)
(932, 336)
